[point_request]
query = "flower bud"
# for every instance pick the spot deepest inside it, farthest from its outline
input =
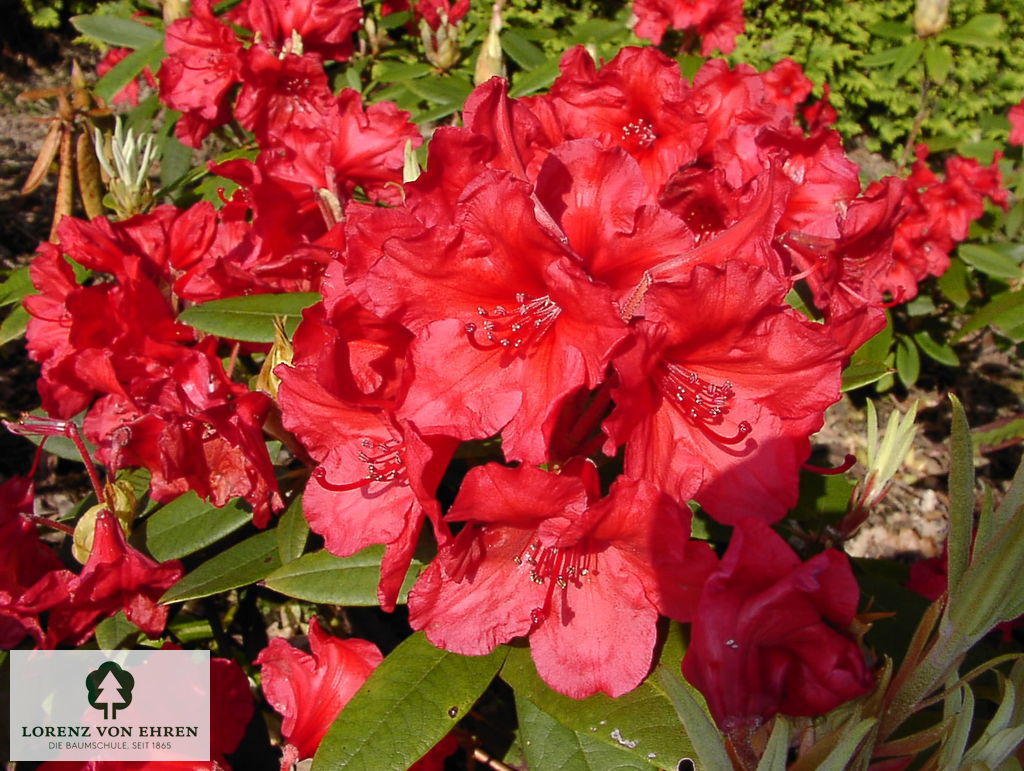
(441, 46)
(120, 501)
(930, 17)
(280, 353)
(490, 62)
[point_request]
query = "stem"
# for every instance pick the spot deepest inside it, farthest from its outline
(919, 119)
(45, 522)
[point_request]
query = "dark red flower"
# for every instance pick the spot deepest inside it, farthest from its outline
(309, 689)
(767, 635)
(432, 11)
(540, 554)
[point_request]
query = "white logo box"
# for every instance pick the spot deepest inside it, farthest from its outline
(110, 705)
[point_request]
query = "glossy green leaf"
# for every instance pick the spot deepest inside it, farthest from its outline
(521, 51)
(16, 287)
(990, 261)
(908, 361)
(322, 577)
(386, 71)
(934, 349)
(129, 68)
(245, 563)
(955, 283)
(292, 532)
(863, 373)
(249, 318)
(1004, 311)
(777, 752)
(883, 58)
(526, 83)
(549, 744)
(188, 524)
(115, 31)
(700, 729)
(409, 703)
(641, 722)
(14, 324)
(113, 632)
(450, 90)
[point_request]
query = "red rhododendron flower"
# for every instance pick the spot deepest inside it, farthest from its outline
(786, 83)
(324, 27)
(116, 577)
(541, 554)
(764, 637)
(432, 11)
(1017, 124)
(730, 375)
(309, 689)
(717, 22)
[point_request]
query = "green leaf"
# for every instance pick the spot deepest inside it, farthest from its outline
(886, 57)
(325, 578)
(175, 158)
(841, 755)
(14, 324)
(908, 361)
(409, 703)
(111, 633)
(909, 55)
(549, 744)
(1005, 311)
(292, 532)
(954, 283)
(129, 68)
(700, 729)
(250, 317)
(862, 373)
(386, 71)
(245, 563)
(450, 90)
(890, 29)
(935, 349)
(982, 31)
(521, 51)
(777, 751)
(188, 524)
(990, 261)
(938, 61)
(643, 718)
(539, 77)
(961, 494)
(116, 31)
(16, 287)
(823, 498)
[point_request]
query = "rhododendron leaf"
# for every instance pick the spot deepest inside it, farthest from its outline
(1005, 311)
(393, 72)
(249, 318)
(908, 361)
(14, 324)
(981, 31)
(777, 751)
(16, 286)
(322, 577)
(955, 283)
(939, 351)
(188, 524)
(699, 727)
(961, 494)
(292, 532)
(450, 90)
(824, 498)
(129, 68)
(549, 744)
(411, 701)
(863, 373)
(536, 79)
(245, 563)
(521, 51)
(643, 718)
(117, 31)
(991, 261)
(111, 633)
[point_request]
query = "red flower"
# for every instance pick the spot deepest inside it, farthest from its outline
(541, 554)
(309, 689)
(1017, 124)
(116, 577)
(431, 11)
(729, 375)
(203, 63)
(325, 27)
(787, 84)
(764, 636)
(718, 22)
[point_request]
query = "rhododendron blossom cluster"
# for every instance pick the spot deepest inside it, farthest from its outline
(594, 310)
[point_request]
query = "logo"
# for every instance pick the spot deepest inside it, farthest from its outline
(110, 689)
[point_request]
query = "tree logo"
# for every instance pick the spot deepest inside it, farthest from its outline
(110, 688)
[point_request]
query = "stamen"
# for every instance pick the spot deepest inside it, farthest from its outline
(639, 134)
(514, 331)
(386, 466)
(847, 464)
(702, 403)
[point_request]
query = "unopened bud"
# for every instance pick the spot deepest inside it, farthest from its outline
(120, 502)
(441, 46)
(930, 17)
(490, 63)
(174, 10)
(411, 165)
